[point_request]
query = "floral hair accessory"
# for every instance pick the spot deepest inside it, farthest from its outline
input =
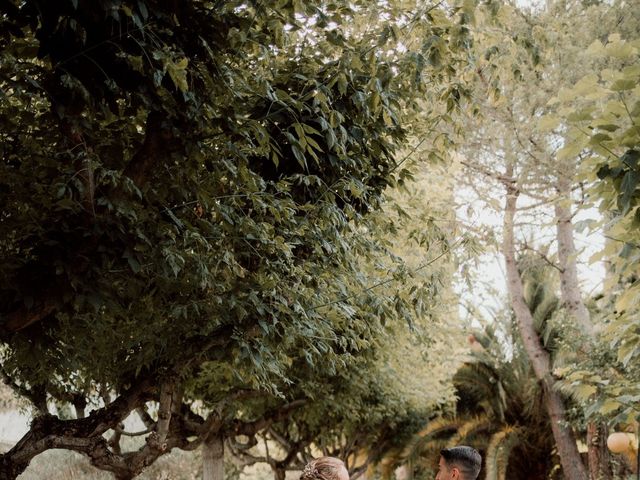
(309, 471)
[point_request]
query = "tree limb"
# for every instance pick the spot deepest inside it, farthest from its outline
(83, 435)
(251, 428)
(167, 389)
(24, 317)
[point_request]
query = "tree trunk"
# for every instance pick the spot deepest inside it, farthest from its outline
(213, 458)
(563, 434)
(573, 300)
(279, 473)
(598, 453)
(10, 470)
(569, 285)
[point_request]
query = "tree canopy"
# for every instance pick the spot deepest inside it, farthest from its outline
(185, 191)
(252, 220)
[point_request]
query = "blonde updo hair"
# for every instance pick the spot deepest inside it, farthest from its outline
(325, 468)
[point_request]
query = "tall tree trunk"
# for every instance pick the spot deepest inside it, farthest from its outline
(572, 299)
(569, 285)
(572, 465)
(213, 458)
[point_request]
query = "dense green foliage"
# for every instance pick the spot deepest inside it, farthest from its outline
(174, 192)
(184, 194)
(602, 114)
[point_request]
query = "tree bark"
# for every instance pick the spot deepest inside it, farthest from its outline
(598, 453)
(213, 458)
(279, 473)
(569, 285)
(573, 301)
(82, 435)
(572, 465)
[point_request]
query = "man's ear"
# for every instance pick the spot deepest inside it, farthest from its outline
(455, 473)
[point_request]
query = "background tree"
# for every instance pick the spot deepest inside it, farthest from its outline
(500, 407)
(519, 68)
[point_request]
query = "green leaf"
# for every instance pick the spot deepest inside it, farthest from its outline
(342, 83)
(609, 127)
(596, 48)
(623, 84)
(143, 10)
(549, 122)
(584, 391)
(299, 155)
(628, 189)
(627, 351)
(609, 406)
(178, 73)
(619, 49)
(570, 151)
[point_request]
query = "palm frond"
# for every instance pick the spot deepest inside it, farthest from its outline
(542, 313)
(499, 451)
(478, 385)
(435, 428)
(470, 429)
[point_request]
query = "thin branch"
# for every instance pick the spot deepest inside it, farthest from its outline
(136, 434)
(385, 282)
(546, 259)
(266, 450)
(114, 441)
(279, 438)
(251, 428)
(145, 417)
(488, 173)
(241, 458)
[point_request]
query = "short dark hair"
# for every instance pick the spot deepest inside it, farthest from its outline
(467, 459)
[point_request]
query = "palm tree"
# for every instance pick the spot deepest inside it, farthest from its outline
(500, 409)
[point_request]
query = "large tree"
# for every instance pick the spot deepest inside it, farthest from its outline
(522, 63)
(182, 190)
